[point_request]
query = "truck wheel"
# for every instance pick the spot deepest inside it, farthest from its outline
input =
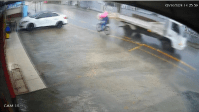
(30, 27)
(127, 30)
(138, 35)
(59, 24)
(166, 44)
(172, 50)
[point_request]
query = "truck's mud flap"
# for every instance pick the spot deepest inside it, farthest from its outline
(127, 30)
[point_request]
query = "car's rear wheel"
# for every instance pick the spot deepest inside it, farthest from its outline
(59, 24)
(167, 46)
(30, 27)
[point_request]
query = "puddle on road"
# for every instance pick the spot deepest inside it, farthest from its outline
(44, 66)
(22, 105)
(83, 103)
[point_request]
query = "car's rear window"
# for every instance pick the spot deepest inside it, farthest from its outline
(54, 14)
(35, 15)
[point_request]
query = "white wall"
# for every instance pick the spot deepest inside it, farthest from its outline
(14, 11)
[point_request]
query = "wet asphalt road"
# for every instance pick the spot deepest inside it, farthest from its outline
(87, 71)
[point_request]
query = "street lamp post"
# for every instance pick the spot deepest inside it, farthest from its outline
(35, 7)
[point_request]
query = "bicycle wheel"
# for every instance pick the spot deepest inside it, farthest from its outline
(107, 30)
(98, 27)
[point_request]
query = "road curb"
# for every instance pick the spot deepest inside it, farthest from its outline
(196, 46)
(30, 59)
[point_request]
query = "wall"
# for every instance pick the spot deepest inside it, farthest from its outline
(14, 11)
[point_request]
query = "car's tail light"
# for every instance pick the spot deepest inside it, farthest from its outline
(65, 18)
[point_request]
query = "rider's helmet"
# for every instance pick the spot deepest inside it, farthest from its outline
(98, 16)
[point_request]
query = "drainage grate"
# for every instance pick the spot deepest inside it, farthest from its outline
(17, 80)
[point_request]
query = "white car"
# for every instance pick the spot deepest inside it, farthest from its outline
(41, 19)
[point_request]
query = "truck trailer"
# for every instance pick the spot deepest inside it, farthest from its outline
(170, 33)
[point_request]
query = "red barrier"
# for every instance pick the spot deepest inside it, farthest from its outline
(3, 59)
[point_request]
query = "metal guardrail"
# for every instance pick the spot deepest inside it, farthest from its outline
(193, 39)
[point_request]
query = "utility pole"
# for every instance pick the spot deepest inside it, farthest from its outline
(35, 7)
(22, 6)
(78, 3)
(118, 7)
(40, 6)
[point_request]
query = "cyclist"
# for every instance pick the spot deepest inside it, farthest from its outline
(105, 20)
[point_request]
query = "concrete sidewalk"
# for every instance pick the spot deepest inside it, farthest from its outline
(16, 54)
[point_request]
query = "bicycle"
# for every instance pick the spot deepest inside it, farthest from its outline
(106, 29)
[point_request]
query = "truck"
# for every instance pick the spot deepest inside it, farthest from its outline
(171, 33)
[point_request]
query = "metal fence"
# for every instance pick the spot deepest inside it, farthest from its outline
(192, 36)
(97, 6)
(85, 4)
(130, 10)
(193, 39)
(110, 8)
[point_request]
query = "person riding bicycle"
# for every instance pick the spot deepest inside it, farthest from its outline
(104, 19)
